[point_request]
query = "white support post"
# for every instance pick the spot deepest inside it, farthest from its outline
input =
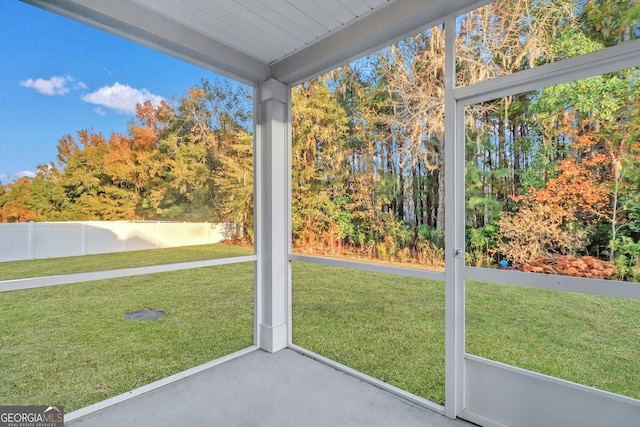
(272, 223)
(454, 234)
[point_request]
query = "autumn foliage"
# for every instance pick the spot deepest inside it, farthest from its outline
(551, 174)
(185, 160)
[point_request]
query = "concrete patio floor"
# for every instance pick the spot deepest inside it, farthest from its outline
(263, 389)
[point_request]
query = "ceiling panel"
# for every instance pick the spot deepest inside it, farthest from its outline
(215, 22)
(253, 40)
(357, 7)
(296, 31)
(328, 20)
(268, 30)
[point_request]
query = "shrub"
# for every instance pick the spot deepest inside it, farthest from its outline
(538, 230)
(627, 258)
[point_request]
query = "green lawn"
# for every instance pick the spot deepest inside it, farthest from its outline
(389, 327)
(392, 328)
(71, 345)
(588, 339)
(78, 264)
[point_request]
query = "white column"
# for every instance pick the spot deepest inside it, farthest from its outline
(272, 218)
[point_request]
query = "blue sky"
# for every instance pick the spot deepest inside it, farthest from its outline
(58, 77)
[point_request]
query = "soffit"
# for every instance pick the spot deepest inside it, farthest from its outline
(253, 40)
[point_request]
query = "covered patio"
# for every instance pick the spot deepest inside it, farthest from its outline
(273, 46)
(258, 388)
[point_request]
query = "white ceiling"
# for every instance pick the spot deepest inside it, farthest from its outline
(253, 40)
(266, 30)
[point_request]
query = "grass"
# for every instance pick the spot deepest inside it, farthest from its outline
(71, 344)
(588, 339)
(392, 328)
(79, 264)
(387, 327)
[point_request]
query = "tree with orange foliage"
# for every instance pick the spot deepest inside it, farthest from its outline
(593, 126)
(12, 202)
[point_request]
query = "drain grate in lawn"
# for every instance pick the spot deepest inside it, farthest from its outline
(144, 314)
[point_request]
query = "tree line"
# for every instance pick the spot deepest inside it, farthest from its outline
(189, 160)
(549, 172)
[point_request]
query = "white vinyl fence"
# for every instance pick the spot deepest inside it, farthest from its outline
(37, 240)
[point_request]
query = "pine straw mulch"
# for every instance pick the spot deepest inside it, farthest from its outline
(568, 265)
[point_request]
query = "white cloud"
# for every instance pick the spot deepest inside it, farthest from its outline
(3, 176)
(100, 111)
(56, 85)
(122, 98)
(29, 174)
